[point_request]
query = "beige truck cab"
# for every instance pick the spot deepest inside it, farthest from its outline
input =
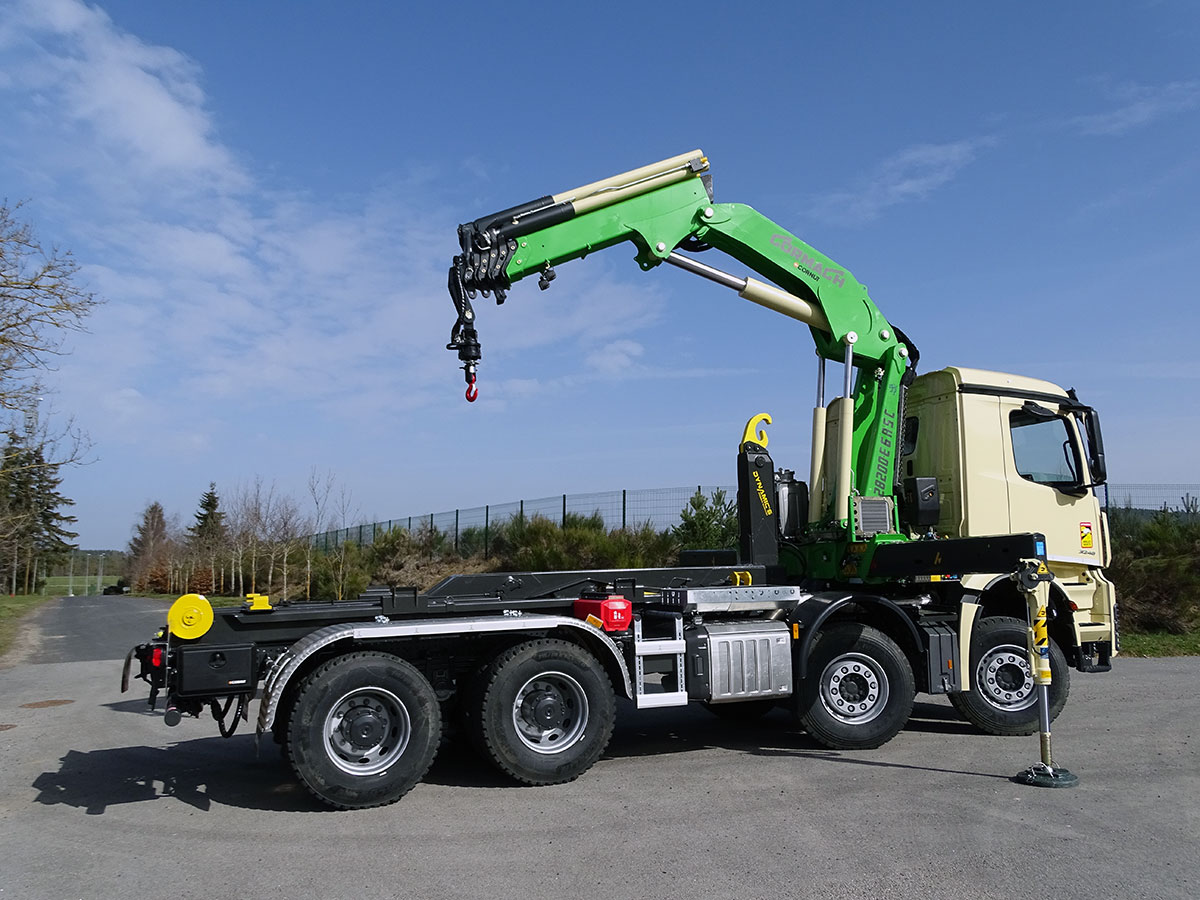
(1013, 454)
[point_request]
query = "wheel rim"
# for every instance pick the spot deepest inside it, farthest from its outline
(854, 689)
(550, 712)
(367, 730)
(1004, 679)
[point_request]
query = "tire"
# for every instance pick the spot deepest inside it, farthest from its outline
(544, 712)
(1003, 695)
(741, 710)
(396, 721)
(859, 691)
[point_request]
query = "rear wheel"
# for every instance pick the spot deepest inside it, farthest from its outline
(1003, 699)
(544, 711)
(859, 690)
(363, 730)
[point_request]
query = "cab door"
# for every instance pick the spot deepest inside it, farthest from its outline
(1047, 481)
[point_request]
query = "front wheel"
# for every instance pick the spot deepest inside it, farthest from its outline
(544, 713)
(859, 690)
(363, 730)
(1003, 699)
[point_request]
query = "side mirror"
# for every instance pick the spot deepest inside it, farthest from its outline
(1095, 439)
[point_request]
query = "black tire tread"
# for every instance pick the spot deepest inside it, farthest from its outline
(844, 637)
(985, 717)
(601, 716)
(307, 688)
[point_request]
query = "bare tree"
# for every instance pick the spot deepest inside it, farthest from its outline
(39, 299)
(238, 530)
(319, 489)
(255, 507)
(288, 529)
(344, 556)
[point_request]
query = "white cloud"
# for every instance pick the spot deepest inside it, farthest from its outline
(1140, 105)
(910, 175)
(616, 358)
(140, 106)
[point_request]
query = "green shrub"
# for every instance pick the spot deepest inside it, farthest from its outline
(708, 525)
(340, 573)
(581, 542)
(1156, 567)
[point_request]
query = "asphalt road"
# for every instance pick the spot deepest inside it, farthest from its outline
(99, 799)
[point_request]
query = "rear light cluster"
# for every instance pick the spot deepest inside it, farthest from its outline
(156, 657)
(613, 612)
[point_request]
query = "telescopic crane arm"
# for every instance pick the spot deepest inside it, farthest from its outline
(662, 208)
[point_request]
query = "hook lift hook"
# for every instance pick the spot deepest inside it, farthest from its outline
(472, 391)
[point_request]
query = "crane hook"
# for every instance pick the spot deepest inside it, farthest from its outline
(472, 391)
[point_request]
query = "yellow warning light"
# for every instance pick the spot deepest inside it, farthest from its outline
(190, 616)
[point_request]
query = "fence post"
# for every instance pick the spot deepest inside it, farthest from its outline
(486, 517)
(456, 531)
(563, 522)
(521, 515)
(623, 525)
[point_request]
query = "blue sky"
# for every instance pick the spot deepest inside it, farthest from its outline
(266, 195)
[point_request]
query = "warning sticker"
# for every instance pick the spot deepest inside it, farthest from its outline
(1085, 535)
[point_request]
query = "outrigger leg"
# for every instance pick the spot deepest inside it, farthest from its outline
(1033, 579)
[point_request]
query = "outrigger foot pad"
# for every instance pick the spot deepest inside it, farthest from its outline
(1042, 775)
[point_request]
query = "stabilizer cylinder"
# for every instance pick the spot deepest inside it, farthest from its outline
(1033, 580)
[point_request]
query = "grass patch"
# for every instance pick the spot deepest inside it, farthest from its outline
(1160, 643)
(12, 611)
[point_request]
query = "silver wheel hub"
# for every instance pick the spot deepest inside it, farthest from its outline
(1004, 678)
(854, 689)
(550, 712)
(366, 731)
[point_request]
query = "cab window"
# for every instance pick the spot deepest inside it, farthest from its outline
(1043, 449)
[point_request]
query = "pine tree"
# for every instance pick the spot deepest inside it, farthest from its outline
(705, 526)
(207, 538)
(210, 521)
(148, 546)
(32, 524)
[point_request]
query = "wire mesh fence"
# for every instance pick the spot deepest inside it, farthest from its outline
(658, 507)
(1176, 497)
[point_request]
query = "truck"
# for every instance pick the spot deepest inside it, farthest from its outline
(948, 539)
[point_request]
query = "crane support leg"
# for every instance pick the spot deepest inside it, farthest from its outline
(1034, 584)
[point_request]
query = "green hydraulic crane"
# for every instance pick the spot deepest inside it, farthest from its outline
(666, 208)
